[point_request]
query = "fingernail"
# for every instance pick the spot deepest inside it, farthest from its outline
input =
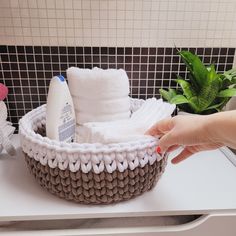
(173, 161)
(158, 149)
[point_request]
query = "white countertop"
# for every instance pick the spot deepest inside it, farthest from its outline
(202, 184)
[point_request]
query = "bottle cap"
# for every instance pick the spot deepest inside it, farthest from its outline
(61, 77)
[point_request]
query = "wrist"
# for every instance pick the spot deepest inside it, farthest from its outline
(222, 129)
(213, 126)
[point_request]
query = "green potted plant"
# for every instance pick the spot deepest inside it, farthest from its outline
(205, 91)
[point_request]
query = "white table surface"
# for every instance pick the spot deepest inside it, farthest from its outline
(203, 184)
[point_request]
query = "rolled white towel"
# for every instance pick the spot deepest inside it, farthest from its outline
(99, 95)
(151, 111)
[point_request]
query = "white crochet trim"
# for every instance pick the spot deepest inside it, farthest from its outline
(84, 156)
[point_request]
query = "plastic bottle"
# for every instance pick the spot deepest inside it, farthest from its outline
(60, 114)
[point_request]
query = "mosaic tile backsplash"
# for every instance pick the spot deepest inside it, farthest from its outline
(27, 70)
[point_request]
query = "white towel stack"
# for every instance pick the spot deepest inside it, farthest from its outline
(131, 129)
(99, 95)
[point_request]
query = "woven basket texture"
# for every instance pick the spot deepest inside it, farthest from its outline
(92, 188)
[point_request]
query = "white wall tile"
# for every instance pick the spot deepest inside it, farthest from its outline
(42, 13)
(95, 33)
(68, 13)
(52, 23)
(70, 32)
(14, 3)
(68, 4)
(79, 32)
(112, 5)
(23, 3)
(51, 13)
(42, 4)
(87, 4)
(33, 13)
(18, 31)
(51, 4)
(77, 14)
(9, 31)
(61, 23)
(32, 4)
(25, 22)
(15, 12)
(119, 22)
(16, 22)
(59, 4)
(77, 4)
(35, 32)
(95, 14)
(69, 23)
(78, 23)
(43, 23)
(24, 12)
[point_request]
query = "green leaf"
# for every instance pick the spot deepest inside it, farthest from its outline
(195, 67)
(215, 106)
(230, 73)
(194, 104)
(187, 58)
(167, 95)
(186, 87)
(210, 90)
(172, 92)
(227, 82)
(230, 92)
(229, 78)
(179, 99)
(193, 82)
(211, 74)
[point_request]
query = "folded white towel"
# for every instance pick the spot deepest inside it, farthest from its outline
(82, 117)
(102, 106)
(99, 95)
(101, 110)
(98, 83)
(151, 111)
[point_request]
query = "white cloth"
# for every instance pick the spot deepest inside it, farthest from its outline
(99, 95)
(103, 106)
(98, 83)
(134, 128)
(6, 131)
(101, 110)
(82, 117)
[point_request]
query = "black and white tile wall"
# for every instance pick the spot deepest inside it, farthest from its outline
(27, 70)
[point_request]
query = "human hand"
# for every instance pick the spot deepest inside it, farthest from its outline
(190, 131)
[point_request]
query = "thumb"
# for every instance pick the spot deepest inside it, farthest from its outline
(160, 127)
(167, 141)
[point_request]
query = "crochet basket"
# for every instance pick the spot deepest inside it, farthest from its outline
(89, 173)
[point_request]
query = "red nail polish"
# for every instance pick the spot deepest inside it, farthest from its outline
(158, 149)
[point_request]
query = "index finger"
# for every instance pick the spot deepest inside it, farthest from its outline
(161, 127)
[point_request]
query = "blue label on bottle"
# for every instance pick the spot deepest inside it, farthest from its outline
(66, 129)
(61, 78)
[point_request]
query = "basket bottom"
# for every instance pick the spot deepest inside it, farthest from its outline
(91, 188)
